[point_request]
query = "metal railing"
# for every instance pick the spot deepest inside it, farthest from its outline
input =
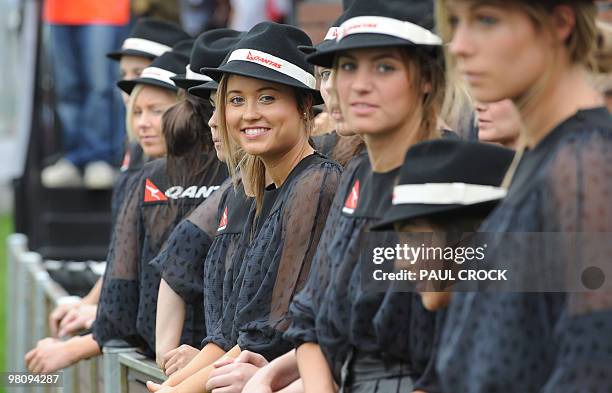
(32, 295)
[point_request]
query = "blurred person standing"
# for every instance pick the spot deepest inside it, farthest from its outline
(81, 32)
(247, 13)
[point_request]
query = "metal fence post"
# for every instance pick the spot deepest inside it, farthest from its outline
(114, 379)
(17, 244)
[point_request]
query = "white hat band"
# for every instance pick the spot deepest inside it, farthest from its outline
(158, 74)
(388, 26)
(274, 63)
(446, 193)
(142, 45)
(189, 74)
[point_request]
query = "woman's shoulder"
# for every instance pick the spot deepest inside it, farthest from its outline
(314, 165)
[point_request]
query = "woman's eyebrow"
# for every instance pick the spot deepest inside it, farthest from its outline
(384, 56)
(267, 88)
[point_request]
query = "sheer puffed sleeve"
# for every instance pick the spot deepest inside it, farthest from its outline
(306, 303)
(277, 265)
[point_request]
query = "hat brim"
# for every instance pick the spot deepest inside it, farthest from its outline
(252, 70)
(204, 90)
(401, 213)
(185, 83)
(325, 53)
(128, 85)
(129, 52)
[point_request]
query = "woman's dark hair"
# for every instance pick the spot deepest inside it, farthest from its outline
(188, 140)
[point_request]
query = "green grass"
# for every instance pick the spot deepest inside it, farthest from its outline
(6, 227)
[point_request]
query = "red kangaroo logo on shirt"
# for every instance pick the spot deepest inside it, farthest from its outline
(152, 193)
(351, 201)
(263, 60)
(126, 162)
(223, 222)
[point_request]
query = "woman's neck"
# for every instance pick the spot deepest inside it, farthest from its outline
(386, 151)
(567, 92)
(279, 167)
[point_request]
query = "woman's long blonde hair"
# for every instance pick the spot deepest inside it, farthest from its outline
(252, 169)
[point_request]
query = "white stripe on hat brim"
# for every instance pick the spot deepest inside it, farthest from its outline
(189, 74)
(446, 194)
(147, 46)
(274, 63)
(388, 26)
(158, 74)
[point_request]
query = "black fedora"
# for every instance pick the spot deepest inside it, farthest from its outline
(209, 50)
(204, 90)
(269, 51)
(162, 69)
(381, 23)
(448, 176)
(150, 38)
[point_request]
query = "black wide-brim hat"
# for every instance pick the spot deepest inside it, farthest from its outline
(448, 176)
(380, 24)
(209, 50)
(150, 38)
(162, 70)
(269, 51)
(204, 90)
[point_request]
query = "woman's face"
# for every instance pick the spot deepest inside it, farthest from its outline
(323, 76)
(499, 51)
(263, 117)
(374, 90)
(212, 123)
(498, 122)
(148, 109)
(130, 67)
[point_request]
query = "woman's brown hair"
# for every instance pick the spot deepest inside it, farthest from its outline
(188, 139)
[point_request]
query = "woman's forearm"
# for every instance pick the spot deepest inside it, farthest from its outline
(316, 375)
(169, 320)
(82, 347)
(93, 297)
(283, 370)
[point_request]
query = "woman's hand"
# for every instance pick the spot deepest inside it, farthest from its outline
(58, 314)
(77, 319)
(231, 375)
(155, 387)
(49, 356)
(178, 358)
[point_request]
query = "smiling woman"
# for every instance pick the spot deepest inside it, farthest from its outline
(264, 107)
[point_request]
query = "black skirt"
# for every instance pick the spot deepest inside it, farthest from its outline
(367, 373)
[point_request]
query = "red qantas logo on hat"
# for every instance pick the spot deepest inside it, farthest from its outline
(152, 193)
(223, 222)
(263, 60)
(347, 29)
(351, 201)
